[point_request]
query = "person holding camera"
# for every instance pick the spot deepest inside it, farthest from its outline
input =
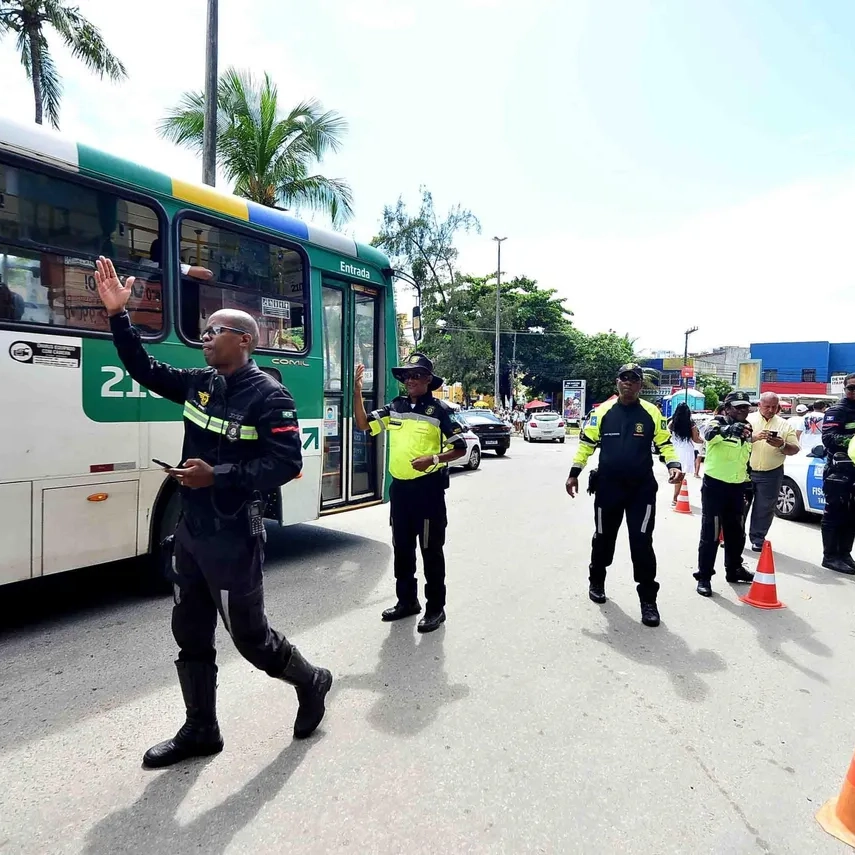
(624, 429)
(241, 440)
(838, 482)
(774, 439)
(728, 438)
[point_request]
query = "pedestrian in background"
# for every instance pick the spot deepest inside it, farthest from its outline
(797, 422)
(684, 435)
(812, 437)
(773, 440)
(624, 429)
(728, 438)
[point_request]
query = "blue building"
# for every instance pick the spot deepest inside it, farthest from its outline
(802, 367)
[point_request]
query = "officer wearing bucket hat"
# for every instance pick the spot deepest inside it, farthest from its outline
(423, 440)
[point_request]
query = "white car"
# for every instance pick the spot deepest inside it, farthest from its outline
(472, 459)
(544, 426)
(801, 492)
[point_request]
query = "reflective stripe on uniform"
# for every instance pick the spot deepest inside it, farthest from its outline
(197, 417)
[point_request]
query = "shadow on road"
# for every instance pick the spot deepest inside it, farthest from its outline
(91, 645)
(409, 682)
(776, 627)
(809, 571)
(658, 648)
(150, 825)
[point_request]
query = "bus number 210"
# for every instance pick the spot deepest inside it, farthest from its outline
(117, 376)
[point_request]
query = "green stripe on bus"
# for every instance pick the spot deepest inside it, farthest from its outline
(93, 161)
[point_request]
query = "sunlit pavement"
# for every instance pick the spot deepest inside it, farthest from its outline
(533, 721)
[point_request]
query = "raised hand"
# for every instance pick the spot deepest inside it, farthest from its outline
(114, 295)
(358, 379)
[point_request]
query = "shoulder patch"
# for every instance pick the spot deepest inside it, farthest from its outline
(429, 411)
(204, 397)
(289, 414)
(663, 424)
(593, 421)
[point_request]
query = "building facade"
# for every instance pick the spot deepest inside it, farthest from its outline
(804, 367)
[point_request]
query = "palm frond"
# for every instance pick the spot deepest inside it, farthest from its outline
(84, 39)
(330, 195)
(185, 124)
(51, 83)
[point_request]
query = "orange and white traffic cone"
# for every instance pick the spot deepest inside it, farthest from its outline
(683, 506)
(764, 591)
(837, 815)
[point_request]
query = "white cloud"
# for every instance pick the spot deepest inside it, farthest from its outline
(778, 268)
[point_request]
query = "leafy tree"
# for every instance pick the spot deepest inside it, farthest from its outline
(423, 245)
(601, 357)
(29, 20)
(269, 157)
(713, 383)
(711, 398)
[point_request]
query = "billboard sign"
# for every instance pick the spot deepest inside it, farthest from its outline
(573, 401)
(748, 376)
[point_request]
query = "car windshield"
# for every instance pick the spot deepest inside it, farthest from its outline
(546, 417)
(482, 419)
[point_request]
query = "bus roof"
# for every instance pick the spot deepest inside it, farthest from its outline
(51, 147)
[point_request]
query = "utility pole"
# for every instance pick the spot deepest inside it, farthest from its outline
(209, 140)
(686, 363)
(514, 372)
(498, 314)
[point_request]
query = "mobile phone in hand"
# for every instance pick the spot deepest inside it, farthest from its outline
(773, 434)
(161, 464)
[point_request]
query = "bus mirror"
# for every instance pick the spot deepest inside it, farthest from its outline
(417, 323)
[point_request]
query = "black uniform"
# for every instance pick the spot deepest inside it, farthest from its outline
(625, 484)
(838, 518)
(245, 426)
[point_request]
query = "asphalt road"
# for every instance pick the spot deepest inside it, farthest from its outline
(533, 721)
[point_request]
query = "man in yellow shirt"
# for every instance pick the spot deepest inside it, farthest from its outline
(773, 439)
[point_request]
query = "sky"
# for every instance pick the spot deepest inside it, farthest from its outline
(661, 163)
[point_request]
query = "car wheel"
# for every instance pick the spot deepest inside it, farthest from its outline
(501, 452)
(154, 581)
(561, 440)
(526, 437)
(790, 505)
(474, 459)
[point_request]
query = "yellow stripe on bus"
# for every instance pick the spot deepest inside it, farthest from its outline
(207, 197)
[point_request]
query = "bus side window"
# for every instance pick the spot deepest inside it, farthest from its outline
(51, 231)
(223, 268)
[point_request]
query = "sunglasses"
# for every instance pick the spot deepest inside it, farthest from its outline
(415, 375)
(219, 328)
(850, 388)
(630, 378)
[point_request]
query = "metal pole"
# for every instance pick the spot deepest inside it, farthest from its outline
(209, 142)
(498, 312)
(686, 362)
(514, 372)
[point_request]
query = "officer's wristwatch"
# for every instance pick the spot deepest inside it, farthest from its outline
(436, 460)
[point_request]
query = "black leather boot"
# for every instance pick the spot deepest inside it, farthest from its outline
(312, 685)
(831, 558)
(199, 736)
(844, 547)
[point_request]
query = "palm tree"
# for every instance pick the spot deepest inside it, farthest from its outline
(268, 157)
(29, 19)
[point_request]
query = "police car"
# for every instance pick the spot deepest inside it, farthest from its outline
(472, 459)
(801, 491)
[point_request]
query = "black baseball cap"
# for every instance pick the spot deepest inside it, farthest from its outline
(631, 368)
(737, 399)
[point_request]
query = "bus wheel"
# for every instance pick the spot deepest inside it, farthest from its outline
(168, 512)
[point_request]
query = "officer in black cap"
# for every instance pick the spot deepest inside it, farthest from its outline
(838, 483)
(624, 429)
(728, 439)
(423, 440)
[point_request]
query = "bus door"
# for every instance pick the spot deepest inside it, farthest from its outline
(351, 335)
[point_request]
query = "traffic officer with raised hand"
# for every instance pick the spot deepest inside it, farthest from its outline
(423, 440)
(624, 429)
(241, 440)
(838, 483)
(726, 473)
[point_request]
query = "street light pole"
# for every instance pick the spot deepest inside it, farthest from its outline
(686, 362)
(209, 132)
(498, 313)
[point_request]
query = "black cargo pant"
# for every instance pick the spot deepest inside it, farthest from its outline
(418, 513)
(222, 573)
(637, 499)
(838, 516)
(723, 509)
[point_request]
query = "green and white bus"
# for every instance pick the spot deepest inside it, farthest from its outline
(77, 435)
